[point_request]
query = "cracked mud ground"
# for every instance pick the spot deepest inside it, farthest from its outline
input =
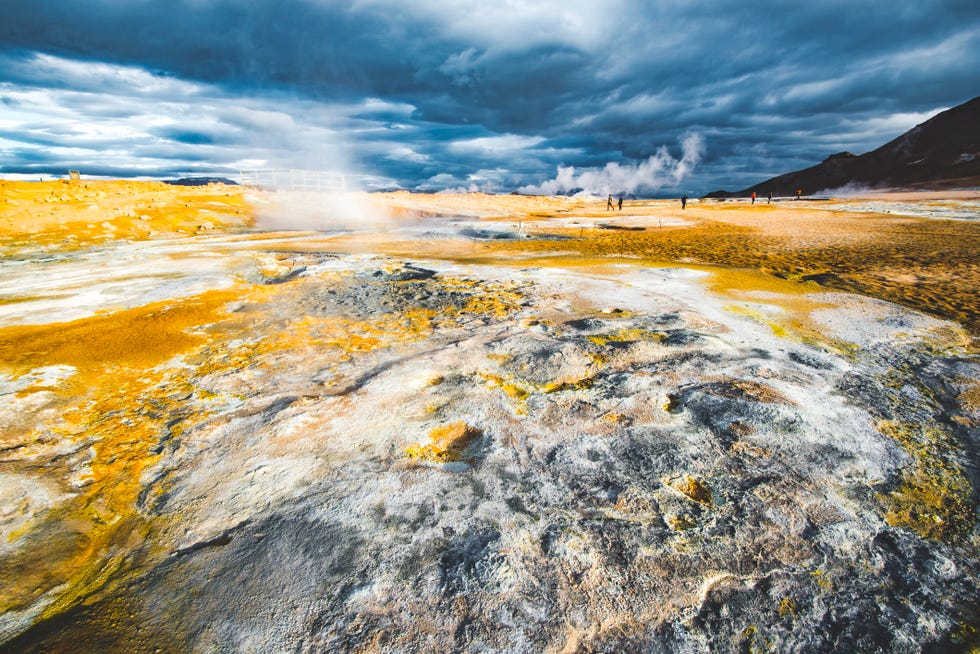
(322, 450)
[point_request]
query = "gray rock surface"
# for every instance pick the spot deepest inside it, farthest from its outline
(655, 473)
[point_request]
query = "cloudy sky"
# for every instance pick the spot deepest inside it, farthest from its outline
(645, 97)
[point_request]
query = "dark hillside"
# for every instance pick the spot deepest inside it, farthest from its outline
(936, 153)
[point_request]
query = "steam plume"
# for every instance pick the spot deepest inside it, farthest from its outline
(659, 170)
(316, 211)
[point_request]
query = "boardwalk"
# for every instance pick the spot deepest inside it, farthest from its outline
(293, 179)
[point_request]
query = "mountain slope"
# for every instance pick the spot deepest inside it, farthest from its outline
(937, 152)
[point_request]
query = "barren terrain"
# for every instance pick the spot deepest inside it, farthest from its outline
(245, 421)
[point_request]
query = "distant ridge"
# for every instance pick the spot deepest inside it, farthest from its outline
(200, 181)
(942, 152)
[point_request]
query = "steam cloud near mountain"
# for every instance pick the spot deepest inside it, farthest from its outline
(648, 176)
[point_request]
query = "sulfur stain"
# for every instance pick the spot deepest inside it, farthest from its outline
(681, 522)
(140, 337)
(626, 336)
(744, 389)
(944, 252)
(513, 388)
(794, 322)
(694, 489)
(447, 443)
(570, 383)
(778, 329)
(933, 497)
(671, 403)
(822, 580)
(117, 408)
(87, 538)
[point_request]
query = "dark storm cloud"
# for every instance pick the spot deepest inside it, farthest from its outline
(434, 93)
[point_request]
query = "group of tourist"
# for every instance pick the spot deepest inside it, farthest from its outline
(610, 205)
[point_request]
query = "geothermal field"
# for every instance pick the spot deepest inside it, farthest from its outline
(240, 420)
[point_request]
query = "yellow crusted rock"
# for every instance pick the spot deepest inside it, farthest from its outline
(447, 443)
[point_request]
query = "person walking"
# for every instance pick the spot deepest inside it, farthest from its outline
(684, 202)
(769, 197)
(753, 197)
(609, 204)
(620, 203)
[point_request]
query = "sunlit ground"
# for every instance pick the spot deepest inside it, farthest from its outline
(242, 420)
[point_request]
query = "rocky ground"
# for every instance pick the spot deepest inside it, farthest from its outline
(501, 439)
